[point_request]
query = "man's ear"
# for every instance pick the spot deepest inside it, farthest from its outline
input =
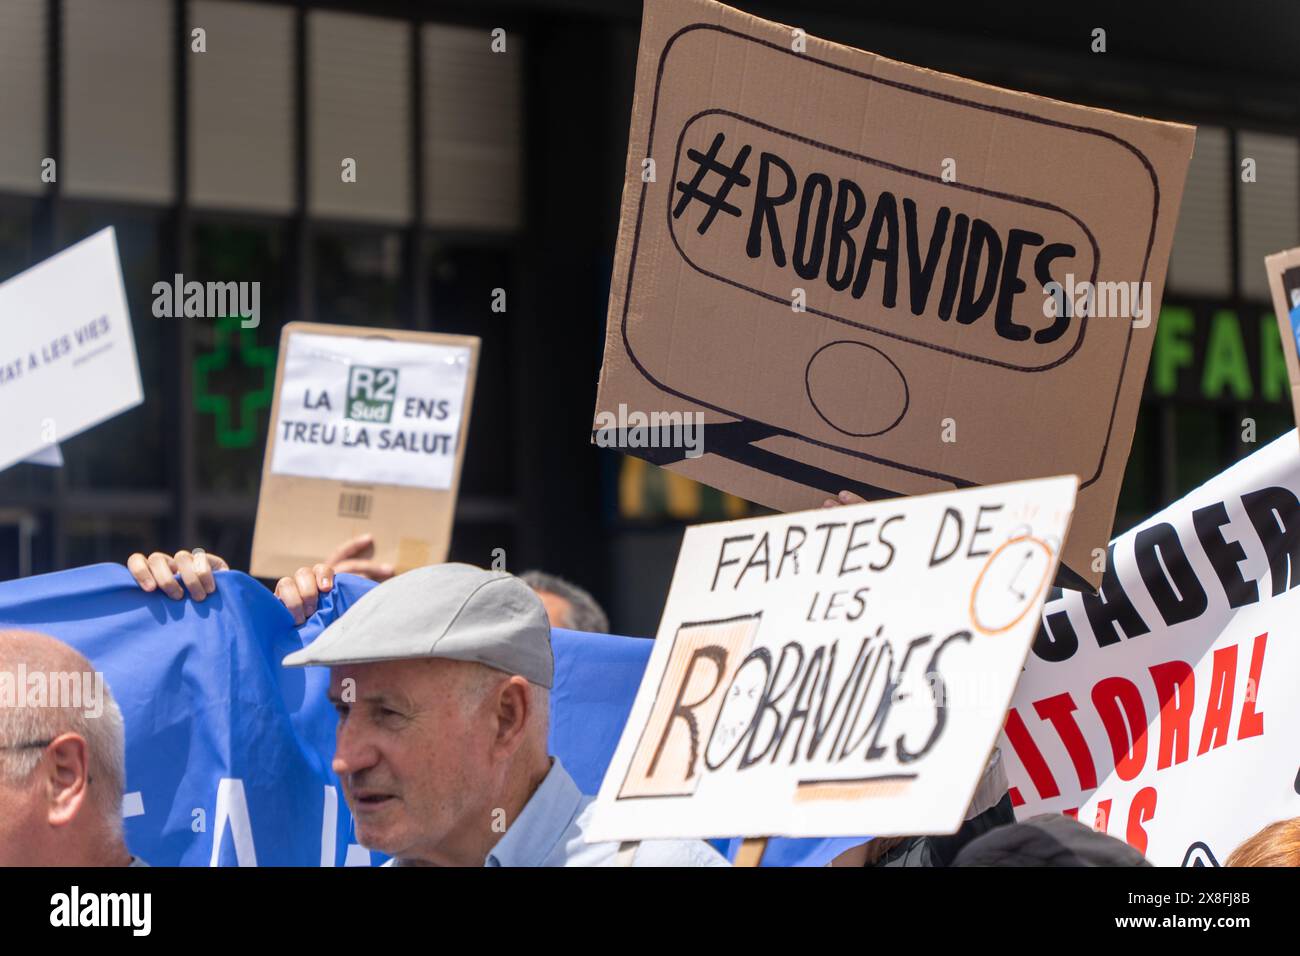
(66, 776)
(514, 709)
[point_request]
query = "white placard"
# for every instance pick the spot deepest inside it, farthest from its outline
(370, 410)
(836, 672)
(1164, 710)
(67, 356)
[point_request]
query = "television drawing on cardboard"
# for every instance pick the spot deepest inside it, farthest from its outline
(836, 672)
(367, 434)
(874, 277)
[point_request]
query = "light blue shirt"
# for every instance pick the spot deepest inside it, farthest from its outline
(549, 832)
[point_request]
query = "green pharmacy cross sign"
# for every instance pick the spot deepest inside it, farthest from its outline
(234, 347)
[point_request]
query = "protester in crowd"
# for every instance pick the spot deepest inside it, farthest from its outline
(1278, 844)
(441, 677)
(567, 605)
(62, 758)
(158, 571)
(1051, 839)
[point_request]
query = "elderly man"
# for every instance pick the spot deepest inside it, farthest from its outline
(441, 679)
(62, 758)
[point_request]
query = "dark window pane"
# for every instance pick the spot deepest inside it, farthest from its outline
(462, 280)
(1139, 494)
(1201, 451)
(93, 538)
(23, 482)
(1270, 422)
(229, 537)
(25, 542)
(16, 254)
(358, 278)
(475, 543)
(16, 222)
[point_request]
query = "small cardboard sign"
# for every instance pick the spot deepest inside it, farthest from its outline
(1284, 282)
(67, 354)
(836, 672)
(843, 264)
(367, 434)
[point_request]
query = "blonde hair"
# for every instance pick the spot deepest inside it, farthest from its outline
(1278, 844)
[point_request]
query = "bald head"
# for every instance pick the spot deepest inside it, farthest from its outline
(62, 756)
(39, 652)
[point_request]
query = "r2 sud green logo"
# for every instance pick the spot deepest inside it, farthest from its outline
(371, 394)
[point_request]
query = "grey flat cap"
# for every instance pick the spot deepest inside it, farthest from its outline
(443, 610)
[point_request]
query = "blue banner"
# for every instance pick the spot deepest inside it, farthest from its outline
(228, 753)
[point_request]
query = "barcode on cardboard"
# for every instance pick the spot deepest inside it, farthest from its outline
(354, 505)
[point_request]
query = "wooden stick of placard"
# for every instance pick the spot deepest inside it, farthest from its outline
(751, 851)
(626, 852)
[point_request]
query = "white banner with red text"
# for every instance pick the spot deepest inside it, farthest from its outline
(1163, 710)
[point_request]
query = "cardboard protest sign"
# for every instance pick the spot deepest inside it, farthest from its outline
(367, 434)
(863, 275)
(67, 355)
(1284, 283)
(836, 672)
(1163, 710)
